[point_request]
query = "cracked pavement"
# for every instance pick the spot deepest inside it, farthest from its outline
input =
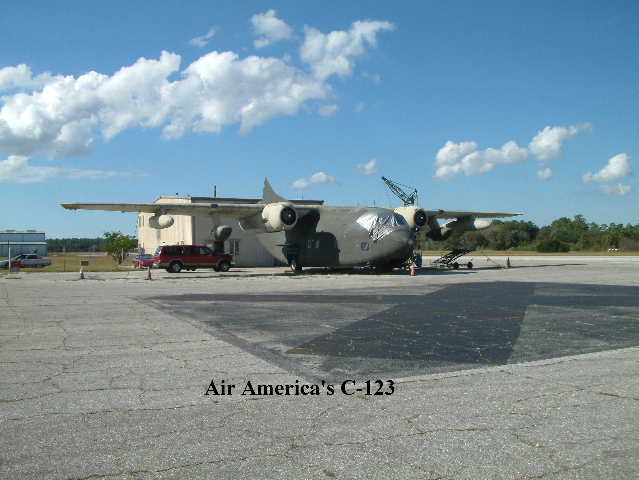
(105, 378)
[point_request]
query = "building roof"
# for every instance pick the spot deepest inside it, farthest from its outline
(21, 231)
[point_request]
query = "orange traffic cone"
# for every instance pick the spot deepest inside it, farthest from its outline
(413, 271)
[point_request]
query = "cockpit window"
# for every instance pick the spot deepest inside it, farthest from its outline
(379, 226)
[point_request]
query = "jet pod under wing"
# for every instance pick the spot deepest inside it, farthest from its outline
(463, 214)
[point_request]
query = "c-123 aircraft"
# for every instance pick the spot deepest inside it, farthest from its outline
(319, 235)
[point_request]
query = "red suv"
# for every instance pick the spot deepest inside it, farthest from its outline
(175, 258)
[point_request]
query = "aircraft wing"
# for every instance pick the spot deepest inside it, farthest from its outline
(236, 210)
(230, 209)
(462, 214)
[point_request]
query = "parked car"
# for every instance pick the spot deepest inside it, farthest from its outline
(175, 258)
(27, 260)
(143, 261)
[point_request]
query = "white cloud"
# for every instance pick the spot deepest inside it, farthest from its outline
(202, 40)
(368, 168)
(616, 168)
(360, 107)
(328, 110)
(545, 174)
(334, 53)
(315, 179)
(271, 29)
(21, 77)
(617, 190)
(16, 169)
(456, 158)
(67, 115)
(547, 144)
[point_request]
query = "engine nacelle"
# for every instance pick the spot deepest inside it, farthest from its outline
(221, 233)
(161, 221)
(464, 225)
(279, 216)
(415, 217)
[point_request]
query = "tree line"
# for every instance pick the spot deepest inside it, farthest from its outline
(76, 244)
(113, 243)
(562, 235)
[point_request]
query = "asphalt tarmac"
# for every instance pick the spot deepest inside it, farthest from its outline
(528, 372)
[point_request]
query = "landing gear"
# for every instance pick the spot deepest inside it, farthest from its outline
(295, 265)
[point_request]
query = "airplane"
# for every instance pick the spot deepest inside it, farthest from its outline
(319, 235)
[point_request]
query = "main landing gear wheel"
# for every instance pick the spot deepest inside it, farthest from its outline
(295, 265)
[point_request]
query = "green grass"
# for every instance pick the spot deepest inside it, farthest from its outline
(70, 262)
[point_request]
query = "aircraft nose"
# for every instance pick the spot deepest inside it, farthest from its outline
(397, 244)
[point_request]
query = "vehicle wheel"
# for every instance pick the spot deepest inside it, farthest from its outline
(175, 267)
(295, 265)
(455, 265)
(223, 266)
(469, 265)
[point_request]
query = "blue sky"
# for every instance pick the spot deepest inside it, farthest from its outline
(520, 90)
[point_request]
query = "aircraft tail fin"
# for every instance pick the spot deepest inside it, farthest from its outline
(269, 195)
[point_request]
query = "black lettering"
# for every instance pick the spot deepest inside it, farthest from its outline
(330, 389)
(344, 387)
(279, 390)
(380, 386)
(212, 390)
(265, 389)
(391, 385)
(248, 389)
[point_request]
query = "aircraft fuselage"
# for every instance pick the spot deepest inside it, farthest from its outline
(343, 237)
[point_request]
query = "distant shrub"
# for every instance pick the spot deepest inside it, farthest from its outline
(552, 245)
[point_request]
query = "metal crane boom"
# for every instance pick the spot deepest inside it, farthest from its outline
(407, 198)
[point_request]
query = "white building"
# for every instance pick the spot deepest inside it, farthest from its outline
(187, 230)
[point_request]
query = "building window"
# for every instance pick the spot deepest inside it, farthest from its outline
(234, 247)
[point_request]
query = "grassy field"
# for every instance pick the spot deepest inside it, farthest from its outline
(70, 262)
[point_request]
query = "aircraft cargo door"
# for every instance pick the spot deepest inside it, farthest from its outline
(320, 249)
